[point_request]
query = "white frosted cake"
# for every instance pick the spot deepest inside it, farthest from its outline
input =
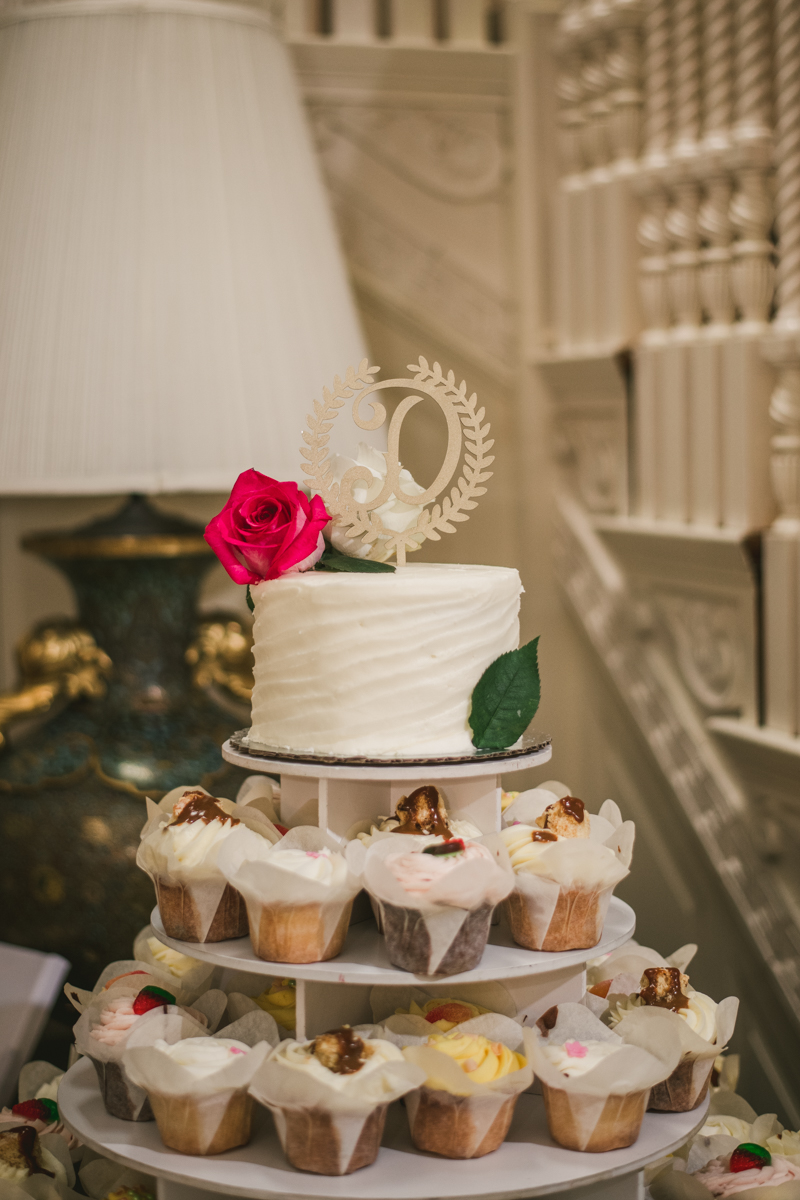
(375, 664)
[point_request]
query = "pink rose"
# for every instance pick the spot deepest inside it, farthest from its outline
(267, 529)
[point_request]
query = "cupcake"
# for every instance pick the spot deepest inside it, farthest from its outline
(436, 901)
(299, 895)
(280, 1001)
(742, 1171)
(619, 972)
(422, 813)
(179, 848)
(465, 1106)
(329, 1096)
(595, 1086)
(23, 1153)
(190, 975)
(197, 1088)
(410, 1016)
(703, 1028)
(566, 864)
(104, 1029)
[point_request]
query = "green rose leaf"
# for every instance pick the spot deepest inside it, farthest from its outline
(332, 560)
(250, 603)
(506, 698)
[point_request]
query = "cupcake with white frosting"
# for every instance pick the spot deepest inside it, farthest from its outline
(421, 814)
(329, 1098)
(179, 848)
(703, 1027)
(189, 975)
(299, 895)
(595, 1085)
(436, 901)
(197, 1087)
(566, 864)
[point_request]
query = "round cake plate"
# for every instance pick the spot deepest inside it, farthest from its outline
(534, 750)
(364, 959)
(527, 1164)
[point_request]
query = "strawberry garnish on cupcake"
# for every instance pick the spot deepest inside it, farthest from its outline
(45, 1111)
(152, 997)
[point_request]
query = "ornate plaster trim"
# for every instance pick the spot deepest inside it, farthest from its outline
(659, 704)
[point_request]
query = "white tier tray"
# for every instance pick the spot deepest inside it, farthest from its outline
(364, 960)
(378, 770)
(527, 1164)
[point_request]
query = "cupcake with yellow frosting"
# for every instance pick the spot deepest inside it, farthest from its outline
(464, 1108)
(280, 1001)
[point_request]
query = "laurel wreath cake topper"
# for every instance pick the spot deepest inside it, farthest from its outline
(467, 449)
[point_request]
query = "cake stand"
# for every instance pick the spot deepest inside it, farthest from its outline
(338, 795)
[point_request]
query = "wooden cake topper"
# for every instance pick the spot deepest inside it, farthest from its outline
(358, 519)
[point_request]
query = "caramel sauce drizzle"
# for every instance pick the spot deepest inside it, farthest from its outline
(26, 1144)
(201, 807)
(543, 835)
(575, 807)
(670, 997)
(420, 813)
(351, 1051)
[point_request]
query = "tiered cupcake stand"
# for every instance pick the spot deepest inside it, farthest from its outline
(336, 794)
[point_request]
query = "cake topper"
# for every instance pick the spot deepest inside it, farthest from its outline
(358, 518)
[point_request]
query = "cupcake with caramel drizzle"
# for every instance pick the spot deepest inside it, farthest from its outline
(422, 813)
(667, 987)
(566, 863)
(318, 1090)
(179, 849)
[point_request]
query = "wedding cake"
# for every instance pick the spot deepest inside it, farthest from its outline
(378, 665)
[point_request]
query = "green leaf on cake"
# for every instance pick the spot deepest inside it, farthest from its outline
(332, 560)
(250, 603)
(506, 698)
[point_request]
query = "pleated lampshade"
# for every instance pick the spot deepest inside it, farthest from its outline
(172, 294)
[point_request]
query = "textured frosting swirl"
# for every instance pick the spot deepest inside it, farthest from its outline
(115, 1021)
(203, 1056)
(700, 1013)
(722, 1182)
(176, 963)
(576, 1058)
(418, 872)
(525, 843)
(378, 665)
(323, 866)
(478, 1057)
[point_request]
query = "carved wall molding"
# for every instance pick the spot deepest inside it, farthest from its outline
(709, 794)
(460, 157)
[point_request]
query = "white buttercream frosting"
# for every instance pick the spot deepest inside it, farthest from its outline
(381, 664)
(700, 1015)
(323, 866)
(203, 1056)
(576, 1058)
(300, 1056)
(176, 963)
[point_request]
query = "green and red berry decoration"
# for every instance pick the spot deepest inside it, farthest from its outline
(445, 849)
(37, 1110)
(152, 997)
(749, 1156)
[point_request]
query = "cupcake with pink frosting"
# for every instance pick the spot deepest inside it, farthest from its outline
(748, 1166)
(436, 901)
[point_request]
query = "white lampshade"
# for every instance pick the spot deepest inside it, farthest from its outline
(172, 294)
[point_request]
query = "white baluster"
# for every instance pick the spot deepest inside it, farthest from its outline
(597, 109)
(751, 209)
(412, 22)
(298, 19)
(623, 69)
(570, 117)
(658, 107)
(467, 23)
(714, 223)
(684, 236)
(654, 264)
(782, 543)
(787, 157)
(354, 20)
(686, 76)
(717, 73)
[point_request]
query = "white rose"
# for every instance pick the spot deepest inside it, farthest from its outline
(394, 514)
